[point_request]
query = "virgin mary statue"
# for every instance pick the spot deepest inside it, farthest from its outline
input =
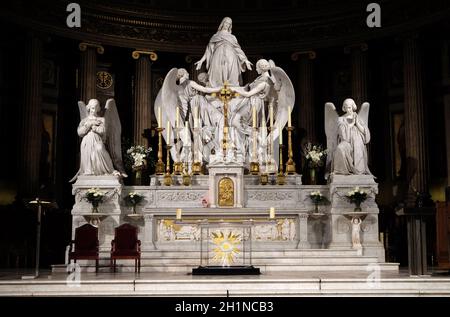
(225, 60)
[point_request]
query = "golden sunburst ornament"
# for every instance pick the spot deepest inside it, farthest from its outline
(226, 247)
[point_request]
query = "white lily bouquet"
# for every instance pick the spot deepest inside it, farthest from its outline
(315, 155)
(139, 155)
(357, 196)
(317, 198)
(95, 197)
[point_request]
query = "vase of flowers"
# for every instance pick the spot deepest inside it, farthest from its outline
(357, 196)
(133, 199)
(95, 197)
(314, 155)
(138, 157)
(317, 198)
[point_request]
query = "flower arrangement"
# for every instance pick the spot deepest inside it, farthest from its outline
(205, 201)
(139, 155)
(357, 196)
(317, 198)
(95, 197)
(133, 199)
(315, 155)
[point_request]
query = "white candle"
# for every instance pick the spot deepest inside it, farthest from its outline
(168, 132)
(179, 213)
(289, 118)
(281, 134)
(254, 116)
(272, 213)
(159, 117)
(271, 115)
(177, 120)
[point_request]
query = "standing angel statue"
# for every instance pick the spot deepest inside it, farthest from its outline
(100, 149)
(347, 137)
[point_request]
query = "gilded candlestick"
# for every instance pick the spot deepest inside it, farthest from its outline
(290, 164)
(168, 177)
(160, 164)
(254, 165)
(280, 177)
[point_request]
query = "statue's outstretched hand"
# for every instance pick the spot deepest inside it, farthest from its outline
(248, 64)
(198, 64)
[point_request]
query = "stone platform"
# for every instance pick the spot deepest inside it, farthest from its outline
(298, 239)
(313, 283)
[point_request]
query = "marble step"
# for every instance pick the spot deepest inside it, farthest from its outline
(264, 260)
(255, 253)
(123, 266)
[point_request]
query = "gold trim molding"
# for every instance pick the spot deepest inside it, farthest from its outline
(152, 55)
(84, 45)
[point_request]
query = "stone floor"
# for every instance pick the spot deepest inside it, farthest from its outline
(344, 283)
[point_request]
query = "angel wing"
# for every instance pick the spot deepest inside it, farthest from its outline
(113, 131)
(285, 98)
(82, 109)
(331, 131)
(167, 101)
(364, 113)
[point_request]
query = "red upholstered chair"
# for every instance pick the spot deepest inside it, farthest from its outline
(85, 245)
(126, 246)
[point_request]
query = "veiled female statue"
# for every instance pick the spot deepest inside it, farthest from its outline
(347, 137)
(225, 60)
(100, 150)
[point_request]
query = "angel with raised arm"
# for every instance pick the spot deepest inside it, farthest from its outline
(271, 88)
(101, 145)
(179, 91)
(347, 137)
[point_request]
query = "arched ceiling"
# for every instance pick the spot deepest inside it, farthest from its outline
(260, 25)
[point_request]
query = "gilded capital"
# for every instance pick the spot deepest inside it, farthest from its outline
(359, 46)
(296, 55)
(137, 53)
(84, 45)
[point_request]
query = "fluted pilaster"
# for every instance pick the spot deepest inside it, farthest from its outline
(416, 153)
(31, 119)
(305, 92)
(142, 105)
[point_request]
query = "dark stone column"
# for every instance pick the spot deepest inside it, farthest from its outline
(359, 71)
(416, 151)
(305, 93)
(143, 101)
(31, 119)
(419, 206)
(88, 69)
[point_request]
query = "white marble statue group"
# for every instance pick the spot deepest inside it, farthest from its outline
(196, 113)
(257, 112)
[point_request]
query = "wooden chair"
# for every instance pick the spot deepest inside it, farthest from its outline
(126, 246)
(85, 245)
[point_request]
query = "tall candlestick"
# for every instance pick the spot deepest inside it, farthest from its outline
(289, 118)
(168, 132)
(280, 130)
(272, 213)
(159, 118)
(177, 120)
(254, 116)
